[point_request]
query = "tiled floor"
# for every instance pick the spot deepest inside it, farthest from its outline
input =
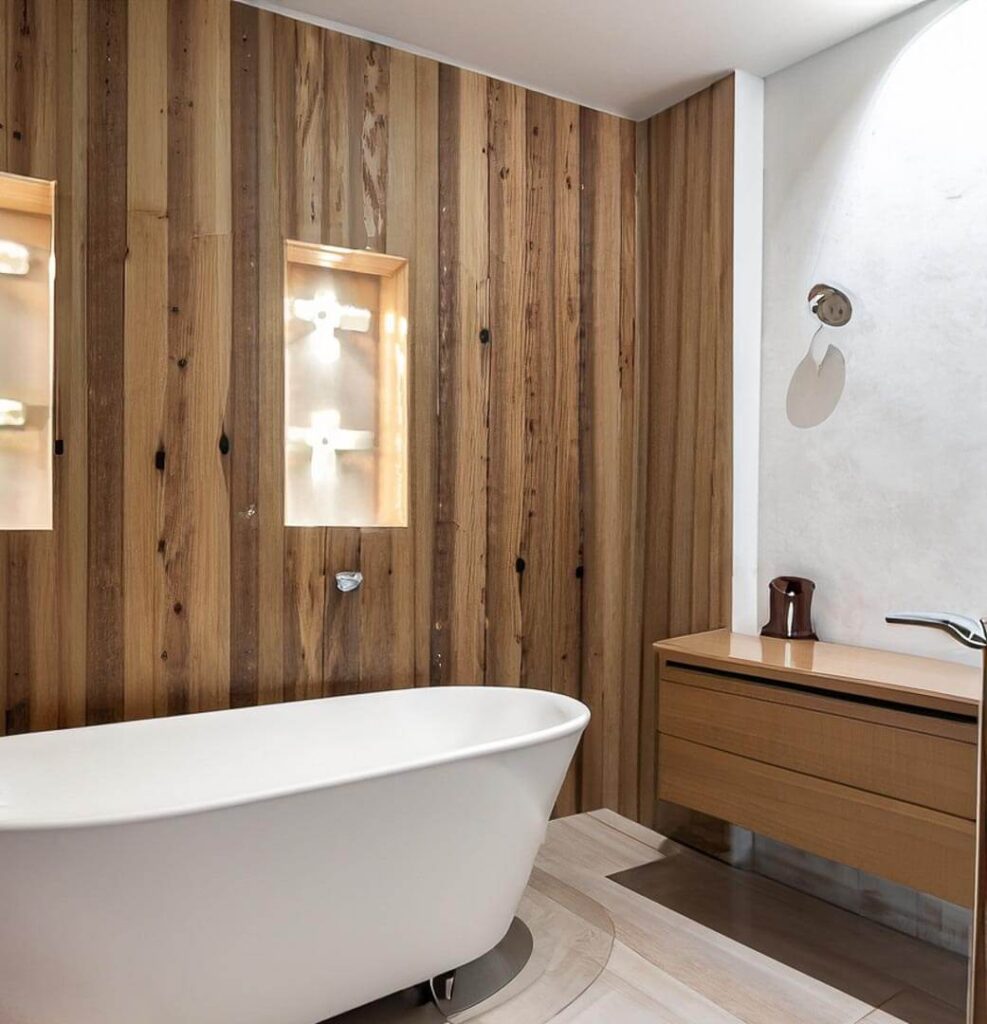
(663, 935)
(697, 942)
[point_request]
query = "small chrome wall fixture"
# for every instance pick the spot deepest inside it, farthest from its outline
(348, 581)
(818, 381)
(832, 306)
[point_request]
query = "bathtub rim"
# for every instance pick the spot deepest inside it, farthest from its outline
(574, 725)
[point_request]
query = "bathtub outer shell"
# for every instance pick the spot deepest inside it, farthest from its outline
(289, 908)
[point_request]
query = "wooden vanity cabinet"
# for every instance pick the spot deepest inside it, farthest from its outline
(865, 757)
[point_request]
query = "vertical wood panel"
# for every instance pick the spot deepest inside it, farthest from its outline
(692, 505)
(604, 503)
(566, 627)
(243, 420)
(387, 556)
(633, 401)
(507, 178)
(538, 525)
(195, 640)
(718, 305)
(383, 647)
(637, 763)
(106, 255)
(689, 220)
(145, 346)
(302, 136)
(71, 399)
(424, 344)
(348, 58)
(270, 358)
(209, 619)
(460, 575)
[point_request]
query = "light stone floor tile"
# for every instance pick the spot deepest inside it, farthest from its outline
(678, 938)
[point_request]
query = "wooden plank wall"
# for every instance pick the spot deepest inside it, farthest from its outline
(685, 166)
(569, 471)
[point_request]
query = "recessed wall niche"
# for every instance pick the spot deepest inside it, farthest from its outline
(346, 387)
(27, 274)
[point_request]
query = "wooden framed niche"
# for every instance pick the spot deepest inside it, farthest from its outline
(27, 354)
(346, 387)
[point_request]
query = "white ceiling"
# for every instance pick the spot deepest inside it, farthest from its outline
(629, 57)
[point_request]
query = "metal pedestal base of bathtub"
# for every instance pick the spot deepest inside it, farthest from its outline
(476, 982)
(555, 924)
(451, 995)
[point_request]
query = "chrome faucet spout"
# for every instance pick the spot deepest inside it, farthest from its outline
(969, 632)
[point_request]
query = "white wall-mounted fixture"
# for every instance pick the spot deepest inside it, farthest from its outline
(819, 379)
(27, 277)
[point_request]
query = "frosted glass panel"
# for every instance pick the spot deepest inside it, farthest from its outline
(26, 293)
(346, 387)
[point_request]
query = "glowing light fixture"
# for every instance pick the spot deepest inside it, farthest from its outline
(328, 316)
(14, 258)
(327, 438)
(12, 413)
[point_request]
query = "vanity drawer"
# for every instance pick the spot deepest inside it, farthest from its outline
(918, 847)
(907, 755)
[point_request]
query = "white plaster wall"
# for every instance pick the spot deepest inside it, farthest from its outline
(748, 230)
(876, 181)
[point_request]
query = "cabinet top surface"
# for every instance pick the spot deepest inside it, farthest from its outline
(903, 678)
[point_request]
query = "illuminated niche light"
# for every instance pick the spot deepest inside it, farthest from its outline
(328, 316)
(327, 438)
(12, 413)
(346, 379)
(15, 259)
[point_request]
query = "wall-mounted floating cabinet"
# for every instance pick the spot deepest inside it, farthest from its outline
(346, 387)
(27, 276)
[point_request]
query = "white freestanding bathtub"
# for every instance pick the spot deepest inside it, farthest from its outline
(272, 865)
